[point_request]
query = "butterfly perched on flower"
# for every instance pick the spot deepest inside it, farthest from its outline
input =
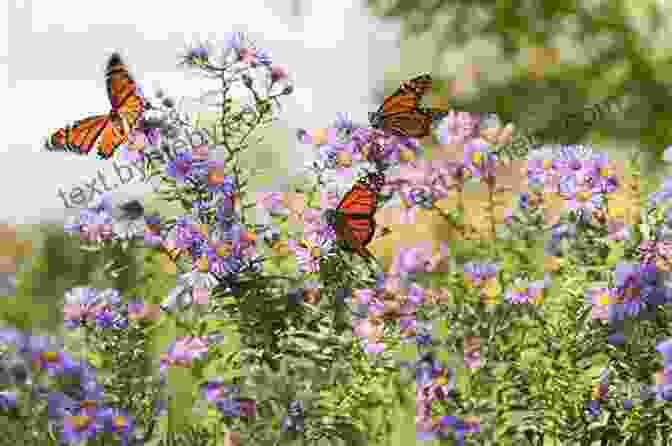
(353, 219)
(105, 132)
(401, 113)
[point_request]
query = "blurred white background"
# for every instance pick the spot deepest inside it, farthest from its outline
(52, 65)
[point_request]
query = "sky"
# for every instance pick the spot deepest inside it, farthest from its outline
(52, 68)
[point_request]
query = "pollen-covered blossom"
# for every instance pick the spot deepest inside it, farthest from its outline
(180, 167)
(483, 276)
(528, 292)
(139, 310)
(581, 196)
(600, 393)
(311, 250)
(479, 159)
(47, 354)
(93, 224)
(119, 423)
(84, 304)
(184, 351)
(458, 128)
(601, 299)
(417, 259)
(138, 139)
(472, 352)
(7, 401)
(637, 285)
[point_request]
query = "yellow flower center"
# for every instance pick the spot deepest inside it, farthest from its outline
(120, 421)
(344, 159)
(49, 356)
(547, 164)
(407, 155)
(80, 422)
(604, 299)
(224, 249)
(203, 264)
(477, 157)
(491, 289)
(584, 196)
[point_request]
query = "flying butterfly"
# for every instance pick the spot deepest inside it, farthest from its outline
(401, 112)
(353, 219)
(105, 132)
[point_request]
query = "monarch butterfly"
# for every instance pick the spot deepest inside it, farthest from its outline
(353, 220)
(105, 132)
(401, 114)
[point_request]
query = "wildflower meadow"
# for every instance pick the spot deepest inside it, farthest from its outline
(536, 316)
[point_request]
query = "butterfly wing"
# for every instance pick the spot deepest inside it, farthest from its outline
(412, 124)
(401, 112)
(405, 99)
(359, 200)
(355, 223)
(105, 132)
(81, 137)
(360, 229)
(408, 95)
(127, 106)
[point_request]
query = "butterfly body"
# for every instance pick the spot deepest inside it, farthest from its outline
(353, 219)
(401, 112)
(105, 132)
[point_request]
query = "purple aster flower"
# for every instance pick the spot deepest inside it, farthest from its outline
(187, 233)
(197, 54)
(458, 128)
(663, 386)
(664, 194)
(118, 422)
(7, 400)
(80, 428)
(601, 174)
(571, 160)
(478, 273)
(665, 348)
(581, 197)
(94, 223)
(311, 250)
(184, 351)
(343, 121)
(228, 407)
(478, 158)
(636, 285)
(47, 355)
(180, 167)
(601, 299)
(540, 171)
(215, 389)
(528, 292)
(218, 181)
(273, 203)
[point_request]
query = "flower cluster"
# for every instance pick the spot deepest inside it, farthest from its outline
(498, 308)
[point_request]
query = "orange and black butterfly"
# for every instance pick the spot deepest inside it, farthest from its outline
(105, 132)
(401, 112)
(353, 219)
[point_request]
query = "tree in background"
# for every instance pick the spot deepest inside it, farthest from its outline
(564, 55)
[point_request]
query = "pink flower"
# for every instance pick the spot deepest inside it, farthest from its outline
(201, 296)
(310, 251)
(278, 72)
(184, 351)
